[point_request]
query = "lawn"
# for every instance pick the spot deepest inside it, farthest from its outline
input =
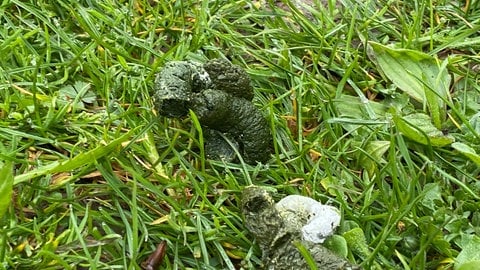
(373, 107)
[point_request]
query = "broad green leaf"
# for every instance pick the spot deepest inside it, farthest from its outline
(83, 91)
(76, 162)
(353, 112)
(76, 94)
(353, 107)
(418, 74)
(329, 184)
(419, 128)
(337, 244)
(411, 71)
(442, 245)
(371, 154)
(469, 254)
(68, 95)
(357, 242)
(6, 187)
(473, 265)
(467, 151)
(433, 194)
(475, 121)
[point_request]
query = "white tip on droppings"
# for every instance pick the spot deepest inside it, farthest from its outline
(322, 220)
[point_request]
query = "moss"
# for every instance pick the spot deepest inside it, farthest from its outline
(219, 93)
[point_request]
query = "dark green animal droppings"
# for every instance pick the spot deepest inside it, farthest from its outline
(173, 88)
(220, 95)
(217, 147)
(229, 78)
(238, 118)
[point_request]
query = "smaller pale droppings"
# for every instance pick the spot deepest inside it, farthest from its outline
(277, 228)
(315, 220)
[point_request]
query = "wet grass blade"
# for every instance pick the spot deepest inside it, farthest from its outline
(6, 186)
(82, 159)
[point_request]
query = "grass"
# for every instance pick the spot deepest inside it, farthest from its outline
(99, 180)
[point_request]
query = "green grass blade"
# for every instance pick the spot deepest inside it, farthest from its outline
(6, 186)
(82, 159)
